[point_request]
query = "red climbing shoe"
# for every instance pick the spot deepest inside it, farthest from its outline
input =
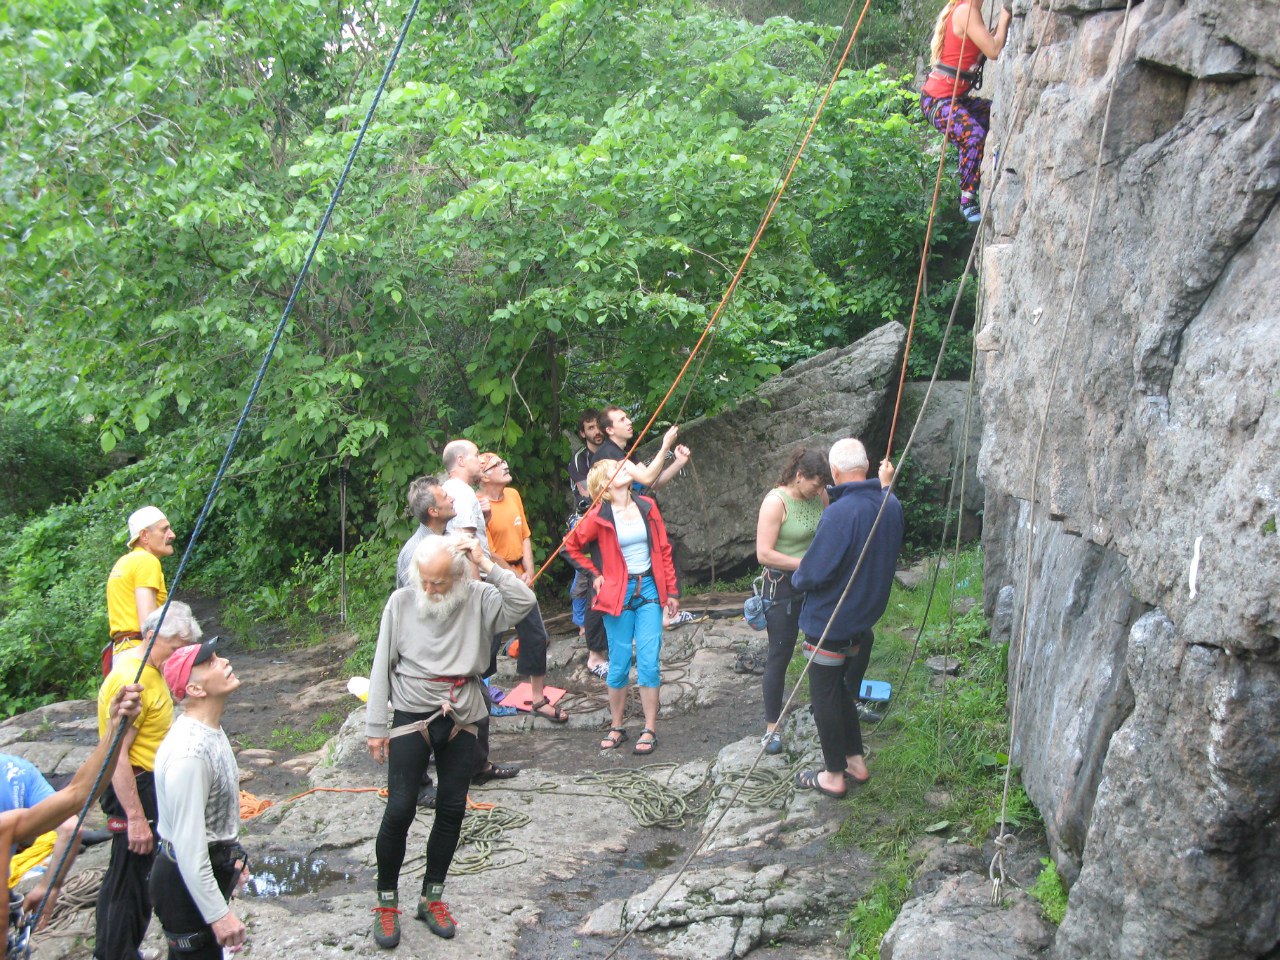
(436, 916)
(386, 926)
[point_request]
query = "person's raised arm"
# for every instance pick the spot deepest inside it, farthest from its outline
(51, 811)
(970, 26)
(648, 473)
(680, 456)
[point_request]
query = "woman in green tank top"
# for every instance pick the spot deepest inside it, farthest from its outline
(788, 518)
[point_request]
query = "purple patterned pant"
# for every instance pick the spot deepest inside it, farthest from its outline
(969, 119)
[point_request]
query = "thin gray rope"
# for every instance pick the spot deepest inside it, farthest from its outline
(1016, 642)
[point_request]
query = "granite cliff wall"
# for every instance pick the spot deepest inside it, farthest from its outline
(1149, 733)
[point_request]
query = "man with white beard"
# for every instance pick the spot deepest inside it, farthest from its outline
(433, 648)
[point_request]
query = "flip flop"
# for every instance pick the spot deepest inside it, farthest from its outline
(645, 747)
(555, 716)
(855, 780)
(808, 780)
(610, 742)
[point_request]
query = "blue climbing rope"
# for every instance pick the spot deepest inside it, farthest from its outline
(244, 416)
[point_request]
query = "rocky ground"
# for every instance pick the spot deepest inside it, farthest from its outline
(561, 866)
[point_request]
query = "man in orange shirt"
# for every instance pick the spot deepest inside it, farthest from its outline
(510, 541)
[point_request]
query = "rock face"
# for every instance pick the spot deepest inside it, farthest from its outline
(1148, 673)
(711, 509)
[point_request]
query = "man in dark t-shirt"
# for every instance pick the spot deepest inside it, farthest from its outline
(618, 433)
(589, 431)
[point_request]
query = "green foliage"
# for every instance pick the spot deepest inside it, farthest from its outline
(924, 502)
(1051, 893)
(547, 208)
(873, 915)
(305, 741)
(44, 465)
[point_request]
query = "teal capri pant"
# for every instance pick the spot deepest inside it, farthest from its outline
(639, 623)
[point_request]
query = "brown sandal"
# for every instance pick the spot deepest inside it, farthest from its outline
(555, 716)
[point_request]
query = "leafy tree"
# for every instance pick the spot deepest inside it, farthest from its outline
(550, 203)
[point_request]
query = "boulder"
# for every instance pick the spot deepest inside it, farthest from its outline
(1148, 676)
(711, 507)
(939, 447)
(958, 922)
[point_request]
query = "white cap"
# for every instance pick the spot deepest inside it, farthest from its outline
(142, 518)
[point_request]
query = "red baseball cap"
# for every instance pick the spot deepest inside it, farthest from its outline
(177, 669)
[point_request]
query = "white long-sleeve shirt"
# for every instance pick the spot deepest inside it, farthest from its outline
(198, 793)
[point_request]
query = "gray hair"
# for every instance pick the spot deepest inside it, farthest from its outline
(178, 622)
(424, 496)
(848, 456)
(454, 451)
(431, 547)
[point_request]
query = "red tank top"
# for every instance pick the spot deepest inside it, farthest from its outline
(941, 85)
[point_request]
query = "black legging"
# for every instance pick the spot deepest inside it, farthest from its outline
(407, 759)
(124, 899)
(178, 913)
(835, 711)
(783, 624)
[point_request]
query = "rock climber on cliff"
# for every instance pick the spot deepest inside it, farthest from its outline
(961, 44)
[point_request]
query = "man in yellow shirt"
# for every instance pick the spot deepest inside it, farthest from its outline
(136, 585)
(124, 902)
(509, 541)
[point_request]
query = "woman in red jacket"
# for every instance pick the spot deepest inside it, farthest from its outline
(961, 42)
(630, 559)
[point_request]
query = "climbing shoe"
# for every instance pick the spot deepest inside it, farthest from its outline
(436, 916)
(772, 743)
(969, 208)
(386, 921)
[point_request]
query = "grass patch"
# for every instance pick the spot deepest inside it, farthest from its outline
(940, 752)
(1048, 889)
(290, 739)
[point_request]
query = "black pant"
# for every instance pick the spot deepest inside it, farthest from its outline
(531, 661)
(124, 903)
(178, 913)
(407, 758)
(593, 629)
(782, 621)
(834, 709)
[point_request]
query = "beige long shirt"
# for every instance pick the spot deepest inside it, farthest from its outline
(413, 654)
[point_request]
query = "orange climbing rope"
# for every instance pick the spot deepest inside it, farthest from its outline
(742, 267)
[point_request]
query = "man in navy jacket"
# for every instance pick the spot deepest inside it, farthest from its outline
(828, 565)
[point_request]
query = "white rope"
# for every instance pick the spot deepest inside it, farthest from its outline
(1017, 640)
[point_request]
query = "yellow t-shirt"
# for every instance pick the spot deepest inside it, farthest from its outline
(156, 717)
(508, 528)
(137, 568)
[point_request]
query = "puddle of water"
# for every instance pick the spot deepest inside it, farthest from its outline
(572, 899)
(660, 857)
(275, 875)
